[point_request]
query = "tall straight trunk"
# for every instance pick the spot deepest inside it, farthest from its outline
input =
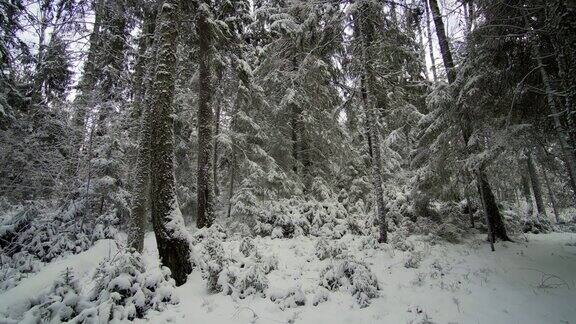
(430, 46)
(171, 236)
(536, 187)
(142, 110)
(143, 66)
(526, 192)
(493, 216)
(422, 50)
(205, 193)
(85, 87)
(551, 195)
(443, 41)
(234, 154)
(561, 133)
(494, 219)
(215, 150)
(368, 81)
(294, 136)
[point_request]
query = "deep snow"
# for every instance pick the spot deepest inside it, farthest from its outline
(523, 282)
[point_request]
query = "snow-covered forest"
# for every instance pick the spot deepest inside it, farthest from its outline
(288, 161)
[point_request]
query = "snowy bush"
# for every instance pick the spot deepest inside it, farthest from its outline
(368, 242)
(123, 291)
(61, 303)
(449, 232)
(353, 277)
(288, 298)
(325, 248)
(243, 279)
(413, 260)
(289, 218)
(267, 262)
(39, 233)
(212, 263)
(247, 246)
(543, 225)
(321, 295)
(215, 232)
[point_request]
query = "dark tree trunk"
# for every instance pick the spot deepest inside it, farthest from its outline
(430, 46)
(294, 135)
(205, 213)
(536, 187)
(494, 218)
(524, 178)
(443, 41)
(368, 81)
(171, 236)
(551, 195)
(496, 223)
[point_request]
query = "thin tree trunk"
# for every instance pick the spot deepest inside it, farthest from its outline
(561, 133)
(171, 236)
(498, 230)
(215, 151)
(536, 187)
(559, 128)
(489, 225)
(205, 213)
(443, 41)
(494, 218)
(551, 195)
(524, 178)
(367, 82)
(430, 44)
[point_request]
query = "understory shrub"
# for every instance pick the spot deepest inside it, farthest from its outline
(352, 276)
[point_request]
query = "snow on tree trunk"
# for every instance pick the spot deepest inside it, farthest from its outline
(205, 194)
(366, 31)
(171, 236)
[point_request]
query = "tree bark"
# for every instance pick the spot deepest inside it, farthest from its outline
(561, 132)
(368, 80)
(524, 178)
(536, 187)
(430, 46)
(171, 236)
(496, 228)
(551, 196)
(494, 218)
(205, 193)
(443, 41)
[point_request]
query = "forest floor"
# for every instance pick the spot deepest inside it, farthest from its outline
(532, 281)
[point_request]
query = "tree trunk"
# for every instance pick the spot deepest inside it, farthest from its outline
(551, 195)
(536, 187)
(443, 41)
(561, 133)
(368, 81)
(215, 151)
(524, 178)
(171, 236)
(496, 223)
(496, 228)
(205, 213)
(430, 46)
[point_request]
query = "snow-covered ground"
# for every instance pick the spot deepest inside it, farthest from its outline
(523, 282)
(530, 282)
